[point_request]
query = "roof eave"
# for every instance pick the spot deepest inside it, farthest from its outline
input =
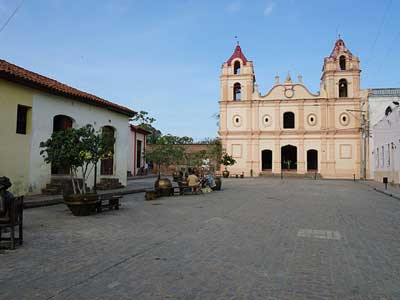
(43, 88)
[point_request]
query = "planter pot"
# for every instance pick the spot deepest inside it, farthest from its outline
(218, 184)
(81, 205)
(164, 185)
(225, 174)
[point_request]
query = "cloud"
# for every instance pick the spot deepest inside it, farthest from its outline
(269, 8)
(233, 7)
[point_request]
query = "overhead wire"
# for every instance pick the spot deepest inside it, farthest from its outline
(378, 33)
(11, 16)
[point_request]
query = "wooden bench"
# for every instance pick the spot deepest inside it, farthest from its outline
(13, 218)
(108, 201)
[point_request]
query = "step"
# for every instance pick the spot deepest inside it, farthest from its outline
(291, 174)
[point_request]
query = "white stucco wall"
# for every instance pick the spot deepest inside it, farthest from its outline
(386, 161)
(45, 107)
(377, 105)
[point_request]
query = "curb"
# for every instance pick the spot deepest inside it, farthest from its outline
(380, 190)
(60, 200)
(386, 193)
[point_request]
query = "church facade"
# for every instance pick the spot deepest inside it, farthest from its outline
(291, 129)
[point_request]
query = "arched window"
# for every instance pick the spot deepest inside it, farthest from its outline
(62, 122)
(288, 120)
(342, 63)
(342, 88)
(236, 67)
(237, 92)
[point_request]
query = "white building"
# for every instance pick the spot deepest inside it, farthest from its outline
(386, 147)
(377, 101)
(50, 106)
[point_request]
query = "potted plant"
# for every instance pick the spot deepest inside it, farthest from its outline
(288, 163)
(78, 150)
(227, 160)
(164, 153)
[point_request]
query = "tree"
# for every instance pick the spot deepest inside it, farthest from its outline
(144, 121)
(227, 160)
(79, 150)
(154, 135)
(176, 140)
(215, 151)
(196, 158)
(163, 152)
(142, 118)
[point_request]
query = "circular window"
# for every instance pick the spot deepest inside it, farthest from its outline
(312, 119)
(344, 119)
(237, 121)
(267, 120)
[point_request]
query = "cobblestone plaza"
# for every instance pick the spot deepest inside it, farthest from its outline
(261, 238)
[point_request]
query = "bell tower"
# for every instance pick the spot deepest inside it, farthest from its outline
(341, 73)
(237, 78)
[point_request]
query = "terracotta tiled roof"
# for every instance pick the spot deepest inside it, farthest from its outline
(237, 54)
(340, 47)
(22, 76)
(139, 130)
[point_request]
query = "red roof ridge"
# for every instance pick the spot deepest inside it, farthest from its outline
(139, 129)
(25, 77)
(340, 47)
(237, 54)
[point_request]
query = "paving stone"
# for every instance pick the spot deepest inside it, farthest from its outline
(260, 238)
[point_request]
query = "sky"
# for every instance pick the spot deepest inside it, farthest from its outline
(165, 56)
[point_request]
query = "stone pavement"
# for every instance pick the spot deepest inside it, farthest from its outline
(260, 238)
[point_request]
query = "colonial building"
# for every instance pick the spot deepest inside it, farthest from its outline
(386, 146)
(136, 150)
(377, 102)
(290, 128)
(32, 108)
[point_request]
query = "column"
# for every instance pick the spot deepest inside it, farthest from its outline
(300, 157)
(276, 157)
(301, 116)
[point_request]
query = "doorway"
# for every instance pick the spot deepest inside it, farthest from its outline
(107, 165)
(138, 154)
(289, 158)
(312, 160)
(60, 123)
(266, 159)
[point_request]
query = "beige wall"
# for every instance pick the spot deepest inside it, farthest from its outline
(14, 148)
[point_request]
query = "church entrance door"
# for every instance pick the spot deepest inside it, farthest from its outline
(312, 160)
(289, 158)
(266, 158)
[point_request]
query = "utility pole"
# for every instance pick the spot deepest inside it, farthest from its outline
(365, 137)
(365, 134)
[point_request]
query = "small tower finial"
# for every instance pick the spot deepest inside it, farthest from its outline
(288, 78)
(237, 39)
